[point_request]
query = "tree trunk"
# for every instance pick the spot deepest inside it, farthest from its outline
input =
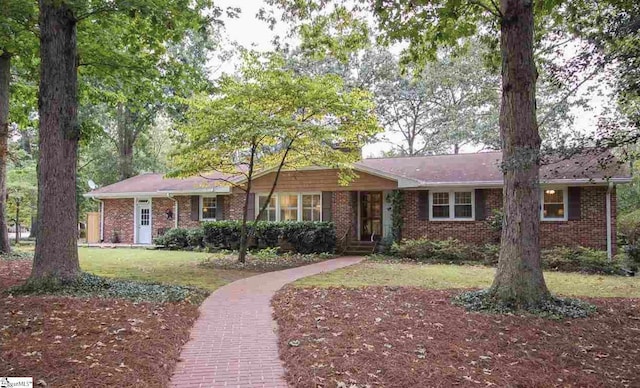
(519, 280)
(56, 253)
(5, 79)
(126, 139)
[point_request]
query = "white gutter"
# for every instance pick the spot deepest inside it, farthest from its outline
(609, 237)
(175, 209)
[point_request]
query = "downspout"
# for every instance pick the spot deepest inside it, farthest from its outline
(101, 218)
(175, 209)
(609, 238)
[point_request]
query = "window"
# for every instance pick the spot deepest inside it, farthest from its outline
(452, 205)
(291, 207)
(208, 208)
(311, 207)
(288, 207)
(554, 204)
(440, 205)
(144, 217)
(270, 211)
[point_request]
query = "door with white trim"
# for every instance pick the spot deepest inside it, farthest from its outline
(143, 222)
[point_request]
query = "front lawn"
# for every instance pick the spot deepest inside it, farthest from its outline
(442, 276)
(172, 267)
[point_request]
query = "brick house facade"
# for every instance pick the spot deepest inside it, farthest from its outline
(457, 208)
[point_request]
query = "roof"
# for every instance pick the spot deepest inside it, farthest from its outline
(484, 168)
(417, 171)
(146, 184)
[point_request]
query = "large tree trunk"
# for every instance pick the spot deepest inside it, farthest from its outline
(56, 253)
(126, 138)
(519, 280)
(5, 80)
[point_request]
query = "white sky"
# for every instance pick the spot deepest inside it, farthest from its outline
(250, 32)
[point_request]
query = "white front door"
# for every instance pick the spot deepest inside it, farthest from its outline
(143, 216)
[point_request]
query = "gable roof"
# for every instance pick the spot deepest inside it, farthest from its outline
(480, 169)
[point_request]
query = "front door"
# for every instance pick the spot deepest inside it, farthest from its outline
(370, 215)
(143, 217)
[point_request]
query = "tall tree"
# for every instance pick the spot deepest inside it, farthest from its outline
(269, 118)
(429, 25)
(56, 253)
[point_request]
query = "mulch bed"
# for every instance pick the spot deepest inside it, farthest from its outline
(74, 342)
(411, 337)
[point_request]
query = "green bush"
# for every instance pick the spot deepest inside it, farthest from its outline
(300, 237)
(632, 256)
(176, 238)
(629, 227)
(195, 238)
(578, 259)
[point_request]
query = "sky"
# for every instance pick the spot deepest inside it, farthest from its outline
(250, 32)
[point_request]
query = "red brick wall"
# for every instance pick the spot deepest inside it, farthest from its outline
(589, 231)
(344, 214)
(118, 217)
(474, 232)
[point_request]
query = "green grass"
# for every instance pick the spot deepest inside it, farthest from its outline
(170, 267)
(442, 276)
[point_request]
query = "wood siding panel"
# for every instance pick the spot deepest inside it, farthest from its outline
(320, 180)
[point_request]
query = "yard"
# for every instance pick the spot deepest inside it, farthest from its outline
(361, 327)
(78, 342)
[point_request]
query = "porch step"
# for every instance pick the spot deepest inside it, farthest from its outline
(360, 248)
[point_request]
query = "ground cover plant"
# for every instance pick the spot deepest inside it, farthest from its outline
(264, 260)
(409, 337)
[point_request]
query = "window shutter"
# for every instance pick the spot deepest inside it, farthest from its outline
(251, 209)
(327, 206)
(423, 205)
(220, 199)
(480, 204)
(195, 208)
(574, 203)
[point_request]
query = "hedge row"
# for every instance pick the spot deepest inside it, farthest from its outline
(300, 237)
(575, 259)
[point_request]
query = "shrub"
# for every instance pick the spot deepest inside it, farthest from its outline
(176, 238)
(629, 227)
(301, 237)
(195, 238)
(578, 259)
(632, 259)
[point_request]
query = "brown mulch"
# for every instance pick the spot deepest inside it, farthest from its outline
(411, 337)
(73, 342)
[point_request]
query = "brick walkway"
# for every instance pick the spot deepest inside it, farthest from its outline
(233, 343)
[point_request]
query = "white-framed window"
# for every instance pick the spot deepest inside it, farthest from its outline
(208, 208)
(554, 204)
(290, 207)
(311, 207)
(270, 212)
(458, 205)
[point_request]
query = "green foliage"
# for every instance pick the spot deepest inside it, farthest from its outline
(629, 227)
(396, 198)
(265, 260)
(88, 285)
(552, 307)
(444, 251)
(495, 220)
(300, 237)
(269, 117)
(175, 238)
(565, 259)
(632, 259)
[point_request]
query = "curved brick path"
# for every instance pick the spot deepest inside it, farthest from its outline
(233, 343)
